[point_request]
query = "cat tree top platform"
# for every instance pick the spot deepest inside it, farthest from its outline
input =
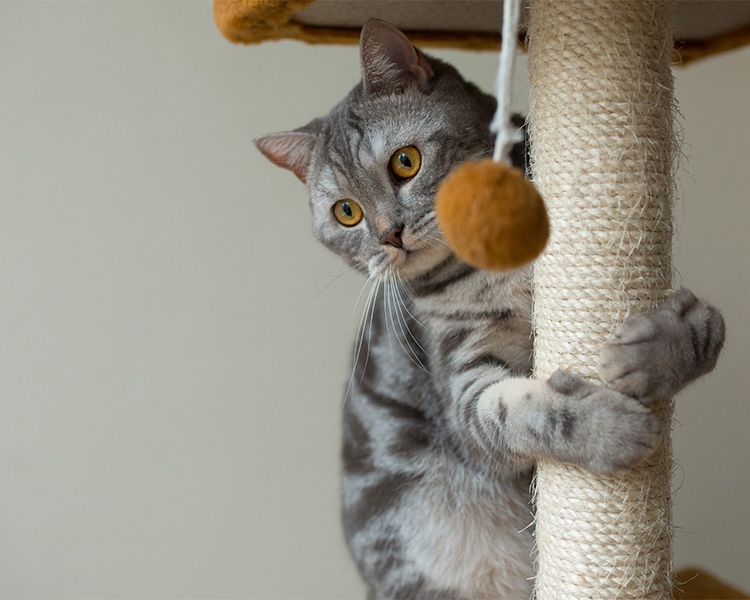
(703, 27)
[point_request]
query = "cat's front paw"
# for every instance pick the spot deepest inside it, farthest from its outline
(609, 430)
(655, 354)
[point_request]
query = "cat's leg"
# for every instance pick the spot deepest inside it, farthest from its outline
(564, 418)
(505, 422)
(655, 354)
(501, 421)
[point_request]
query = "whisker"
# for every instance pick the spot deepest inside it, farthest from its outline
(404, 325)
(388, 306)
(389, 289)
(395, 312)
(363, 319)
(359, 341)
(437, 239)
(369, 333)
(334, 280)
(427, 220)
(408, 350)
(407, 288)
(408, 295)
(356, 304)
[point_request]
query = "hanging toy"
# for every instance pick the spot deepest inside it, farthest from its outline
(491, 215)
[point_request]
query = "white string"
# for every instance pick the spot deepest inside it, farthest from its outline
(501, 124)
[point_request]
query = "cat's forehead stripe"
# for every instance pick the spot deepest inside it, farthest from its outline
(383, 141)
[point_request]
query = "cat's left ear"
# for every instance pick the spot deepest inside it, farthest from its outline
(290, 150)
(389, 60)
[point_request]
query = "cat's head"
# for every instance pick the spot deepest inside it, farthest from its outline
(374, 163)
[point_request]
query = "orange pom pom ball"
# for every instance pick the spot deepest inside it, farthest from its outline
(492, 216)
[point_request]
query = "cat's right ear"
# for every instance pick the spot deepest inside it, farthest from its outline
(291, 150)
(389, 60)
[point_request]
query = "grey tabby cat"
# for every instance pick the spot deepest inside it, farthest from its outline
(442, 424)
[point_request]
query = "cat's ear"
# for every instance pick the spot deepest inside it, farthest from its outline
(390, 61)
(291, 150)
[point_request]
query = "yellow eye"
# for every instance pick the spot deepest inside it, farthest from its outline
(347, 212)
(405, 162)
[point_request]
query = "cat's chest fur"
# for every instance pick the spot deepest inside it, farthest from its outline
(462, 527)
(476, 535)
(411, 326)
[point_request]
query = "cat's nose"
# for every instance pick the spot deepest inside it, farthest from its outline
(393, 237)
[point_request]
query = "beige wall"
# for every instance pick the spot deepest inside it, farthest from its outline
(173, 343)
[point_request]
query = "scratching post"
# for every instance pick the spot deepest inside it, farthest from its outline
(602, 156)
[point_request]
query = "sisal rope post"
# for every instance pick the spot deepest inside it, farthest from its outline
(601, 121)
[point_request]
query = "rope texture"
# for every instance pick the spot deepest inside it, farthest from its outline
(601, 123)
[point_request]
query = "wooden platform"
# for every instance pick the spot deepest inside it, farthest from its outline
(696, 584)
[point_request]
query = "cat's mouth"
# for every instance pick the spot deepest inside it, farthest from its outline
(409, 261)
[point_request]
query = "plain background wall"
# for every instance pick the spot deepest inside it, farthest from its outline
(173, 342)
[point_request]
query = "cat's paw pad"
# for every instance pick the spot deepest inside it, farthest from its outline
(655, 354)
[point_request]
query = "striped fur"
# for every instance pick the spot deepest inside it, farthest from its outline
(442, 424)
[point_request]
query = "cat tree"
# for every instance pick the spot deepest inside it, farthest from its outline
(601, 125)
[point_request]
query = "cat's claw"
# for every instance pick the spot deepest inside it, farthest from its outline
(655, 354)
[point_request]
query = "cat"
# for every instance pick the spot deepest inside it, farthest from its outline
(442, 422)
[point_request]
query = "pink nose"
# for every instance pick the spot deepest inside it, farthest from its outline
(393, 237)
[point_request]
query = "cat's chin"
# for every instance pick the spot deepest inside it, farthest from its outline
(407, 264)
